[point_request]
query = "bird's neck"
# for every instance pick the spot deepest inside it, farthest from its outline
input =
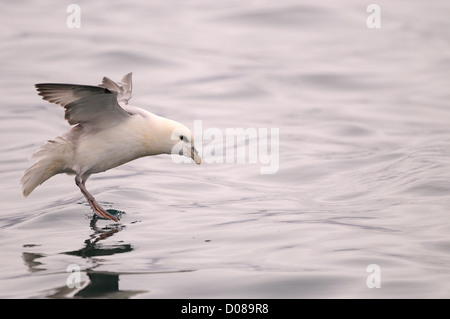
(155, 134)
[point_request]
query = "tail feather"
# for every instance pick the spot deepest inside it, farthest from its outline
(49, 162)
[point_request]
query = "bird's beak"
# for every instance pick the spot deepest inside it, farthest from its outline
(195, 157)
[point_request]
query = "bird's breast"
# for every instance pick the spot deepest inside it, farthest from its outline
(110, 148)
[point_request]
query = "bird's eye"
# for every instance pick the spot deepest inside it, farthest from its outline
(181, 137)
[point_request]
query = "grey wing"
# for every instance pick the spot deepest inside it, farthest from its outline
(122, 88)
(86, 105)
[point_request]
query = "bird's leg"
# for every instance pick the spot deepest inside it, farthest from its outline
(98, 210)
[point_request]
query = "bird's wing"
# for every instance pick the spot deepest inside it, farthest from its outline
(122, 88)
(86, 105)
(127, 84)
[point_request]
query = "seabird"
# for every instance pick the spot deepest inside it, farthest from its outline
(106, 132)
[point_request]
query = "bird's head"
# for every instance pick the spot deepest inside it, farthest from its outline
(182, 142)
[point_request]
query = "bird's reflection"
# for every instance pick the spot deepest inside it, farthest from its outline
(101, 284)
(92, 248)
(104, 285)
(30, 260)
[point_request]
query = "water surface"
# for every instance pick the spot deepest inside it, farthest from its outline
(364, 169)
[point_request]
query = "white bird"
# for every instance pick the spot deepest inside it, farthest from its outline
(106, 132)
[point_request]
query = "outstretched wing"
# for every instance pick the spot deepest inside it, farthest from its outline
(86, 105)
(122, 88)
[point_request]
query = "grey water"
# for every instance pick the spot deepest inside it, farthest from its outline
(364, 151)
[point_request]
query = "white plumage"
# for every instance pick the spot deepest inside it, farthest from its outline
(107, 132)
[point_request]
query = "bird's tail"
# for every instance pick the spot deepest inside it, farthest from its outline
(49, 162)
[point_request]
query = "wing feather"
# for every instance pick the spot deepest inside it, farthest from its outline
(122, 88)
(86, 105)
